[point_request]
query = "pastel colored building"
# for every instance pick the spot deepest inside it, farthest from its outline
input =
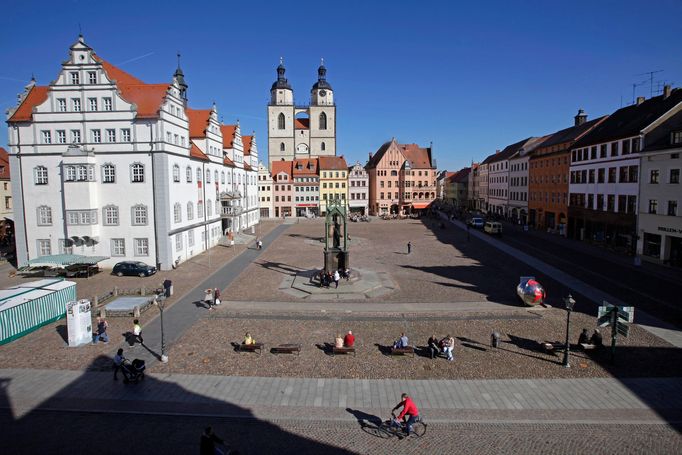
(282, 188)
(306, 188)
(358, 189)
(333, 180)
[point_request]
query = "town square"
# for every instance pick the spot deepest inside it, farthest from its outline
(258, 254)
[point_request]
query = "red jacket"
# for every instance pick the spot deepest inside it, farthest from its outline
(409, 408)
(348, 340)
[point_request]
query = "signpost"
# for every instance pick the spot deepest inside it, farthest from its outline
(618, 318)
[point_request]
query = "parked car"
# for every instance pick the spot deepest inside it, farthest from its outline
(476, 223)
(133, 268)
(493, 227)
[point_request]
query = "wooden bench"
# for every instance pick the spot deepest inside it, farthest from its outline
(403, 351)
(251, 348)
(343, 350)
(289, 348)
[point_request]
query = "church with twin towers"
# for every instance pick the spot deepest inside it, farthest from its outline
(300, 131)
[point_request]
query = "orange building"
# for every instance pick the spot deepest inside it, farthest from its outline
(402, 179)
(548, 175)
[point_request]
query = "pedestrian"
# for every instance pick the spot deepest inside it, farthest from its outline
(216, 296)
(208, 442)
(208, 298)
(102, 326)
(337, 278)
(409, 247)
(118, 362)
(433, 346)
(137, 331)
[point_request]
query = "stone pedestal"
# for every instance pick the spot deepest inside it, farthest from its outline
(335, 259)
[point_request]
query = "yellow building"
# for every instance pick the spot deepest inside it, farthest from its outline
(333, 180)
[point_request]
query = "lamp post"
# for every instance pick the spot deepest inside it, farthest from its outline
(569, 302)
(160, 301)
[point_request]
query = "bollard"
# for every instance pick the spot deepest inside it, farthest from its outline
(495, 340)
(115, 291)
(136, 311)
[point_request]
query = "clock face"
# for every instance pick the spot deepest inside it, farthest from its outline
(323, 93)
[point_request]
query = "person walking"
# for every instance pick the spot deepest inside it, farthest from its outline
(137, 331)
(337, 278)
(208, 298)
(118, 362)
(102, 326)
(409, 247)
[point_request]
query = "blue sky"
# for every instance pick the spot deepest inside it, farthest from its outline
(471, 77)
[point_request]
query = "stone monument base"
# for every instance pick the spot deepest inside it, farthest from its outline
(335, 259)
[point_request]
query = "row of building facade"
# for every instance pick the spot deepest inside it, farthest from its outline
(613, 180)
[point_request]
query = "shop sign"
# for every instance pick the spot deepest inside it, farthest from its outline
(669, 229)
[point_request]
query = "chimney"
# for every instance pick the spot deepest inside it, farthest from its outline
(497, 151)
(580, 118)
(640, 100)
(667, 90)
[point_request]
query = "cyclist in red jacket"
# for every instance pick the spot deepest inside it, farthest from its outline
(409, 409)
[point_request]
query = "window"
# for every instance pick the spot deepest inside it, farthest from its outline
(593, 153)
(111, 135)
(602, 151)
(215, 176)
(76, 104)
(107, 104)
(61, 104)
(125, 135)
(96, 136)
(190, 211)
(176, 173)
(81, 217)
(674, 176)
(280, 121)
(611, 203)
(323, 121)
(200, 210)
(75, 79)
(198, 174)
(44, 248)
(614, 149)
(672, 208)
(75, 136)
(623, 174)
(676, 137)
(137, 173)
(621, 203)
(92, 77)
(635, 145)
(118, 247)
(626, 147)
(222, 177)
(281, 146)
(177, 213)
(61, 137)
(44, 216)
(591, 176)
(110, 215)
(92, 104)
(612, 175)
(653, 177)
(169, 137)
(40, 175)
(108, 173)
(208, 176)
(653, 206)
(601, 173)
(209, 208)
(46, 137)
(323, 146)
(141, 247)
(190, 239)
(632, 204)
(178, 242)
(652, 245)
(139, 215)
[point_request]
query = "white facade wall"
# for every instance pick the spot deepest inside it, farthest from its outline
(265, 196)
(498, 187)
(358, 188)
(518, 183)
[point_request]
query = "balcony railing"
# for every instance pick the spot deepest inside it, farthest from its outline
(231, 211)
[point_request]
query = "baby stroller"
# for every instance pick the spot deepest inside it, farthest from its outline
(133, 372)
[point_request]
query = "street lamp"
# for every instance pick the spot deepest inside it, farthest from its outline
(160, 301)
(569, 302)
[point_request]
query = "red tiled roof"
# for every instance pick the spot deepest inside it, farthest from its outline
(418, 157)
(308, 167)
(4, 162)
(247, 167)
(228, 162)
(247, 140)
(117, 74)
(198, 121)
(302, 123)
(334, 163)
(281, 166)
(229, 133)
(24, 112)
(195, 152)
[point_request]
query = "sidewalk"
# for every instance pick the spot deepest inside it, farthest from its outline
(600, 400)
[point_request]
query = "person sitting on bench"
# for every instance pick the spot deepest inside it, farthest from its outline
(596, 339)
(338, 341)
(584, 338)
(349, 340)
(401, 342)
(248, 339)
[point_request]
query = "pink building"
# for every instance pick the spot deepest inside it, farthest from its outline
(283, 188)
(402, 179)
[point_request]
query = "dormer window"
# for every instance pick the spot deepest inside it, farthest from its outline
(92, 77)
(676, 137)
(75, 79)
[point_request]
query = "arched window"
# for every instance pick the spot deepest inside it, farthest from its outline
(209, 208)
(200, 209)
(176, 173)
(280, 121)
(188, 173)
(139, 217)
(281, 146)
(190, 211)
(110, 215)
(108, 173)
(217, 207)
(215, 176)
(323, 146)
(222, 177)
(137, 173)
(177, 212)
(323, 121)
(198, 174)
(208, 176)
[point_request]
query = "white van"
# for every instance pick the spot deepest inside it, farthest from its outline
(493, 227)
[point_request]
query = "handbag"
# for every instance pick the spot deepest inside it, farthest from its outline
(217, 301)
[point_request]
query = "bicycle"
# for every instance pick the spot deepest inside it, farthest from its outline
(393, 427)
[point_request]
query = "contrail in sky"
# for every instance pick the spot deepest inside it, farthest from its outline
(12, 79)
(135, 59)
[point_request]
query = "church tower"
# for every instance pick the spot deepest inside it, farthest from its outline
(298, 132)
(281, 118)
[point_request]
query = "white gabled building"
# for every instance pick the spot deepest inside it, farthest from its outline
(107, 165)
(267, 207)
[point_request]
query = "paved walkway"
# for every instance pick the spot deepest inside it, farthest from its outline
(527, 400)
(187, 311)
